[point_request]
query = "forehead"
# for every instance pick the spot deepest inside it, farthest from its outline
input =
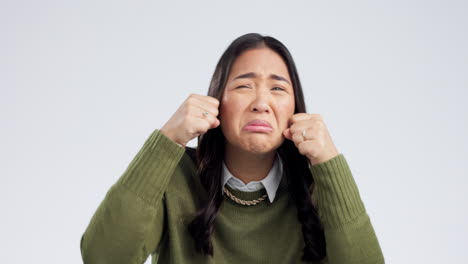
(262, 61)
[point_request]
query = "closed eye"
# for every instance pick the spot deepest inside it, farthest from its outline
(278, 89)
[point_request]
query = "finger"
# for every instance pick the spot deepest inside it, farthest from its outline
(287, 133)
(214, 122)
(210, 109)
(298, 117)
(304, 116)
(201, 125)
(206, 99)
(297, 138)
(198, 112)
(201, 111)
(300, 126)
(217, 123)
(206, 105)
(213, 101)
(313, 125)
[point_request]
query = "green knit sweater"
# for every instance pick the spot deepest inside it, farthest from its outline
(146, 212)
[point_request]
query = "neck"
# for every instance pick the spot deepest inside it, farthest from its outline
(248, 166)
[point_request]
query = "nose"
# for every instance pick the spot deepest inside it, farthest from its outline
(260, 103)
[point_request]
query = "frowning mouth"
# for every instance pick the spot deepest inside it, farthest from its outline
(258, 125)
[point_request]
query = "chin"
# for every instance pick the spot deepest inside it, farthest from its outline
(260, 146)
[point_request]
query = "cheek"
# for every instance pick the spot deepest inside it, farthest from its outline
(230, 111)
(285, 111)
(235, 102)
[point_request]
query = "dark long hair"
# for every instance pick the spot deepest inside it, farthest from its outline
(210, 155)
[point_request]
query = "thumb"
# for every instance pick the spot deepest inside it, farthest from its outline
(287, 133)
(216, 123)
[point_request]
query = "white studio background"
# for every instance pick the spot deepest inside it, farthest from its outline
(84, 83)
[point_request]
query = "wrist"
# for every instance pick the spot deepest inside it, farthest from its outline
(171, 136)
(317, 160)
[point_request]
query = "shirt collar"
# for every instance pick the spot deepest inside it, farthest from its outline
(271, 182)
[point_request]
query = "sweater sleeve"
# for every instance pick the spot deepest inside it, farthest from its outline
(349, 235)
(129, 223)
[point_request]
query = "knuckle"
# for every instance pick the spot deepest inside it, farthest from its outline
(186, 117)
(294, 128)
(191, 130)
(301, 149)
(296, 137)
(190, 100)
(213, 119)
(205, 126)
(189, 113)
(317, 133)
(189, 109)
(319, 144)
(213, 100)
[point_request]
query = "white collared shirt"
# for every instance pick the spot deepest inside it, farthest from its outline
(270, 182)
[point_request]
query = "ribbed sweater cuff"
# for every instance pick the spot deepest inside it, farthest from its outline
(151, 169)
(338, 197)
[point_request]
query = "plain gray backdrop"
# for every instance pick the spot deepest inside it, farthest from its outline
(84, 83)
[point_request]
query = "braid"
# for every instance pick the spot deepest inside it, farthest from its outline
(209, 172)
(298, 189)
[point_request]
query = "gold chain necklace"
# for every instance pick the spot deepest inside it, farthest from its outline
(243, 202)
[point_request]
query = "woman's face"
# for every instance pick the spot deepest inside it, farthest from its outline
(258, 89)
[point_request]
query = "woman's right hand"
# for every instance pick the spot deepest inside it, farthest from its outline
(195, 116)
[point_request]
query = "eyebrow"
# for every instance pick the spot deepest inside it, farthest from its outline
(253, 75)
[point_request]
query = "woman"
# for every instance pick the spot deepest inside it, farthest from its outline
(266, 183)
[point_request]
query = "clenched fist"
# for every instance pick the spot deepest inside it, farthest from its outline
(311, 137)
(194, 117)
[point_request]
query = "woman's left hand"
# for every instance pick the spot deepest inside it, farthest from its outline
(311, 137)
